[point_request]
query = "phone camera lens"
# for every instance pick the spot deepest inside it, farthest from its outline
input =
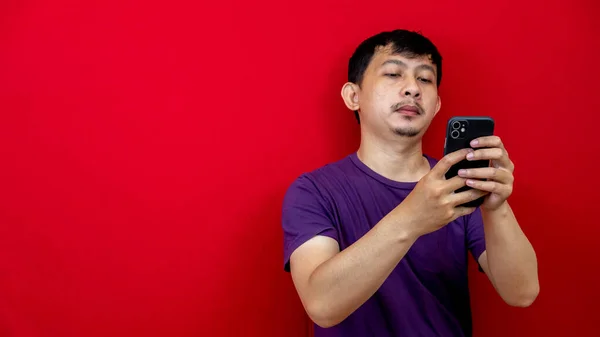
(456, 125)
(455, 134)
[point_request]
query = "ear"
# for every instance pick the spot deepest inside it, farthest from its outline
(438, 105)
(350, 96)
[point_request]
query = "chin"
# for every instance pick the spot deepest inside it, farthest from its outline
(406, 131)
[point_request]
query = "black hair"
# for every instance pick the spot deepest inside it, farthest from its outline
(407, 43)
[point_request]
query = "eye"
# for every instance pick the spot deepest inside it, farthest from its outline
(392, 75)
(425, 80)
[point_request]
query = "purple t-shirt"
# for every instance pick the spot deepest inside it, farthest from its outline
(427, 293)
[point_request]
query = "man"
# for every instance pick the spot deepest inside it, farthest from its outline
(377, 243)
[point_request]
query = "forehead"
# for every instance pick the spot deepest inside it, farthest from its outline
(383, 54)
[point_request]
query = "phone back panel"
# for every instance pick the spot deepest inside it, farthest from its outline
(459, 134)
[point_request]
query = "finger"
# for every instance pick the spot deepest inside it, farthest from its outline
(503, 190)
(491, 173)
(440, 169)
(498, 155)
(455, 183)
(494, 153)
(487, 141)
(468, 195)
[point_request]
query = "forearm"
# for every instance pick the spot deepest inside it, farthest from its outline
(340, 285)
(511, 258)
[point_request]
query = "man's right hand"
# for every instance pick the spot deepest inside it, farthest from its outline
(433, 203)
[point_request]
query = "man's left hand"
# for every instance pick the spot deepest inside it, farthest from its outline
(499, 175)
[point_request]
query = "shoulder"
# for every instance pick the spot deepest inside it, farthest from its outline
(324, 178)
(309, 207)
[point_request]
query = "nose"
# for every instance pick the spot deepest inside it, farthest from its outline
(411, 89)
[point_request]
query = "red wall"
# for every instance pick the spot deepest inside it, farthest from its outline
(145, 148)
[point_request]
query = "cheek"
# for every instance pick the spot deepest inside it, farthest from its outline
(373, 96)
(431, 101)
(382, 93)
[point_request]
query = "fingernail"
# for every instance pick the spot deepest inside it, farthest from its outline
(470, 182)
(470, 155)
(462, 172)
(474, 142)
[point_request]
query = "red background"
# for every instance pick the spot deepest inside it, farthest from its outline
(146, 146)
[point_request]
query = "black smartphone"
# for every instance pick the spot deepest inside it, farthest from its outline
(460, 131)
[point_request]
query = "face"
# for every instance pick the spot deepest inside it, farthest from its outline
(398, 95)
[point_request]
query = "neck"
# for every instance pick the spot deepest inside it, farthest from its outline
(400, 159)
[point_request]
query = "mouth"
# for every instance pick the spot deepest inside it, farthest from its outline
(408, 110)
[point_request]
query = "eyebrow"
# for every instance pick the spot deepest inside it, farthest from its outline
(402, 64)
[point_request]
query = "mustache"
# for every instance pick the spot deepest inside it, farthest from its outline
(397, 106)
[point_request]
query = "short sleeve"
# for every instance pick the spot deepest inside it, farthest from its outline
(475, 234)
(305, 214)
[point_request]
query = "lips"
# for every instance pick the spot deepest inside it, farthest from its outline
(409, 110)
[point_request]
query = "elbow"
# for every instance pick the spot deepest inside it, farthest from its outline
(325, 322)
(525, 298)
(521, 302)
(323, 316)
